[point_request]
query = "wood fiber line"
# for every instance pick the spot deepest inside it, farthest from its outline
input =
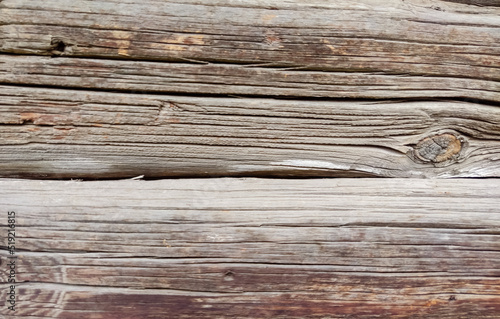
(255, 248)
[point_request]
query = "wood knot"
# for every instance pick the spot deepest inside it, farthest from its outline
(439, 148)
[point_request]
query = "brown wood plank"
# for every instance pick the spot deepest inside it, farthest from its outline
(255, 248)
(84, 134)
(143, 76)
(412, 37)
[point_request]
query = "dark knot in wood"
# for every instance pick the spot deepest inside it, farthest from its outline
(438, 148)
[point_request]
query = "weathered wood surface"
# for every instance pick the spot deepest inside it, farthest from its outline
(236, 79)
(255, 248)
(61, 116)
(51, 133)
(362, 48)
(71, 72)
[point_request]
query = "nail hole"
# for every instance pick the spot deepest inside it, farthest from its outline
(452, 298)
(59, 46)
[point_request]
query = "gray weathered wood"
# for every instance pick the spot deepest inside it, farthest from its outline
(188, 78)
(256, 248)
(378, 40)
(350, 49)
(85, 134)
(251, 248)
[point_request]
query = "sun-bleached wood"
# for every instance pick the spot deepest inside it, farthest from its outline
(256, 248)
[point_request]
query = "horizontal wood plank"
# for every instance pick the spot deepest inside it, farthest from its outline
(494, 3)
(255, 248)
(84, 134)
(383, 46)
(236, 79)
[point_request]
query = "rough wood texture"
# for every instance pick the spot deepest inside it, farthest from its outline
(248, 248)
(160, 77)
(255, 248)
(361, 48)
(84, 134)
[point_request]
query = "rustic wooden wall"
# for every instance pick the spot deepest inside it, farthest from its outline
(178, 89)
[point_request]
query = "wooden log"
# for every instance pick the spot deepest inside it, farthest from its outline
(255, 248)
(227, 79)
(382, 47)
(49, 133)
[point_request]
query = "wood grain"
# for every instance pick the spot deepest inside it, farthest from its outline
(108, 89)
(236, 79)
(256, 248)
(49, 133)
(382, 48)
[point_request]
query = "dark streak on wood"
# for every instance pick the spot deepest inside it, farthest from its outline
(494, 3)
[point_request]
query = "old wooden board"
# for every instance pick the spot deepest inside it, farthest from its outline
(361, 48)
(235, 79)
(254, 248)
(51, 133)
